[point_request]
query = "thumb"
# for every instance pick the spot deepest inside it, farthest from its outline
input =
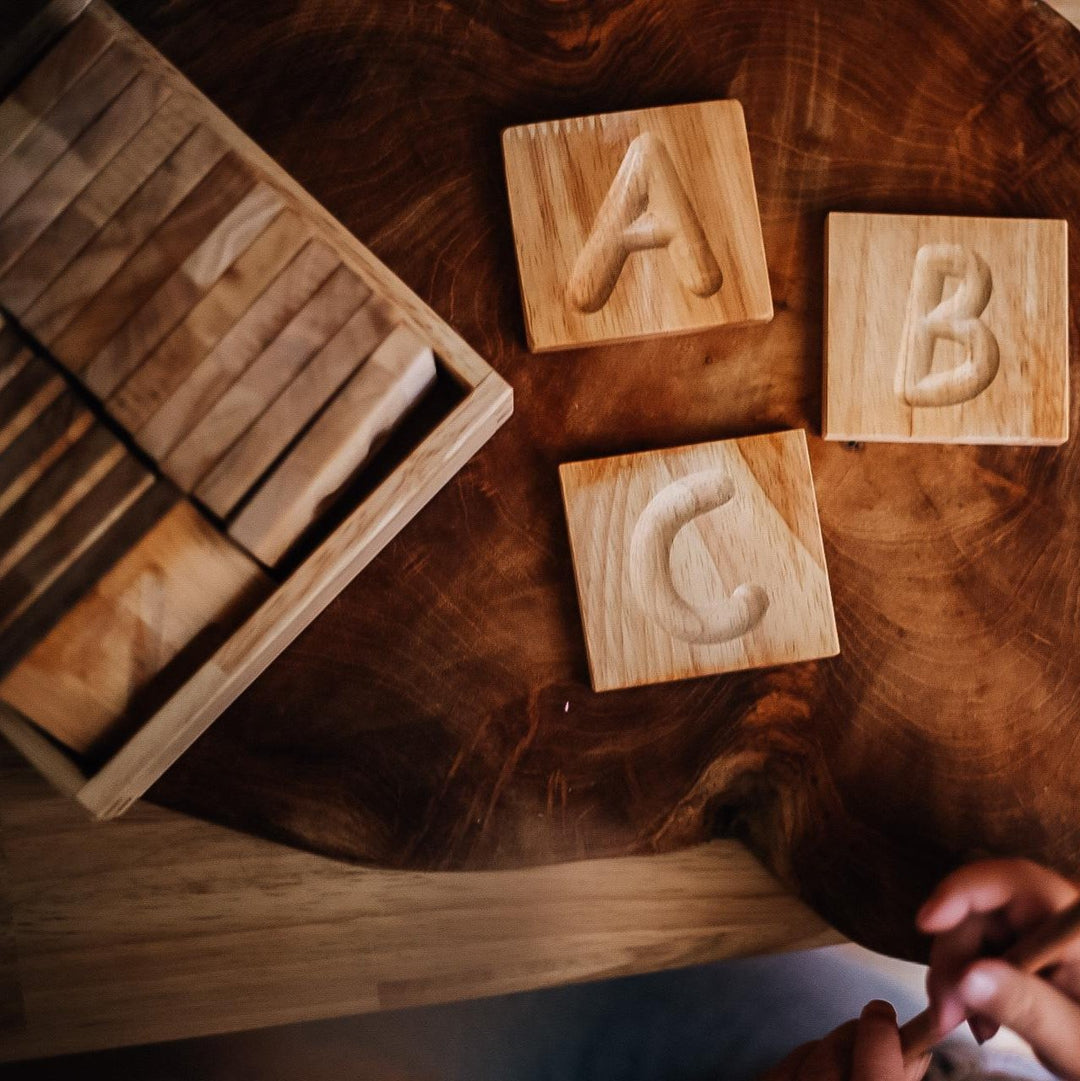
(1031, 1007)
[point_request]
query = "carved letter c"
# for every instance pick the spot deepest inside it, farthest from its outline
(668, 512)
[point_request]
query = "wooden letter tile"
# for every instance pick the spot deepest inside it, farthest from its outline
(70, 535)
(150, 265)
(123, 235)
(62, 125)
(178, 582)
(140, 397)
(57, 490)
(634, 224)
(698, 560)
(237, 350)
(70, 173)
(47, 81)
(230, 238)
(256, 450)
(946, 330)
(336, 446)
(69, 233)
(320, 319)
(26, 395)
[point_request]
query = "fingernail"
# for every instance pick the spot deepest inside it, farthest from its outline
(880, 1009)
(978, 987)
(942, 913)
(950, 1013)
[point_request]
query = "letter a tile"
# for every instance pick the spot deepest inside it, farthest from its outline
(636, 224)
(698, 560)
(946, 330)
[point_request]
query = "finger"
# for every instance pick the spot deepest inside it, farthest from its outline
(830, 1058)
(1066, 978)
(950, 956)
(1023, 888)
(788, 1070)
(982, 1028)
(876, 1055)
(1031, 1007)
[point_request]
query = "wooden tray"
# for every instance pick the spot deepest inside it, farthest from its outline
(200, 367)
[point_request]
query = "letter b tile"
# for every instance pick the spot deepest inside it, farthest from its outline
(946, 330)
(634, 224)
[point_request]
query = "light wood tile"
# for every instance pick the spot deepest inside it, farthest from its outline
(175, 584)
(238, 349)
(46, 83)
(82, 161)
(946, 330)
(62, 125)
(313, 326)
(72, 230)
(144, 331)
(337, 445)
(78, 559)
(70, 535)
(168, 366)
(25, 396)
(151, 264)
(123, 234)
(637, 223)
(32, 452)
(697, 560)
(257, 449)
(60, 487)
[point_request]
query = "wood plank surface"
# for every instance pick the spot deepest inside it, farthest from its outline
(30, 391)
(238, 349)
(146, 269)
(71, 533)
(161, 926)
(129, 639)
(122, 235)
(294, 408)
(313, 327)
(56, 131)
(77, 560)
(76, 51)
(72, 230)
(345, 435)
(233, 235)
(38, 445)
(60, 486)
(938, 731)
(137, 399)
(78, 165)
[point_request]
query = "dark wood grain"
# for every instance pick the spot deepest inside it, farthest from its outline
(438, 714)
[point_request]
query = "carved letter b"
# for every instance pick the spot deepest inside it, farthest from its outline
(646, 207)
(929, 317)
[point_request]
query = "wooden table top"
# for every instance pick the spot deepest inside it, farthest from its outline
(438, 714)
(159, 926)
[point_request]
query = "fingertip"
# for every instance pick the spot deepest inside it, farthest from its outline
(878, 1010)
(979, 986)
(941, 914)
(949, 1013)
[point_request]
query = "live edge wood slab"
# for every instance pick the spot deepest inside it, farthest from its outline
(437, 714)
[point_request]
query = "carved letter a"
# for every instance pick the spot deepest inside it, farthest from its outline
(646, 207)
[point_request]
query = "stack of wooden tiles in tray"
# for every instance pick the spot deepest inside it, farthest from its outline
(194, 367)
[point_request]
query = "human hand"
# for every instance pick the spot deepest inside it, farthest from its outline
(983, 908)
(863, 1050)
